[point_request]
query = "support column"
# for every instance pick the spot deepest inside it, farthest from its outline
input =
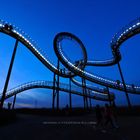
(86, 97)
(8, 74)
(84, 93)
(70, 98)
(90, 100)
(53, 96)
(83, 87)
(13, 105)
(108, 93)
(58, 66)
(124, 85)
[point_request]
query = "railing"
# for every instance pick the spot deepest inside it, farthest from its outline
(128, 28)
(49, 84)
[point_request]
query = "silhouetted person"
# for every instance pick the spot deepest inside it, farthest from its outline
(8, 27)
(108, 115)
(67, 106)
(114, 115)
(99, 116)
(133, 87)
(9, 106)
(118, 83)
(67, 110)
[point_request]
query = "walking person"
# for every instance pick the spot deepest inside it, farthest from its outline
(108, 116)
(114, 115)
(99, 116)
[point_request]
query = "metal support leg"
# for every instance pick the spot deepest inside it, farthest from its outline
(84, 93)
(83, 87)
(58, 65)
(53, 96)
(86, 97)
(13, 105)
(90, 99)
(8, 75)
(124, 85)
(70, 98)
(109, 98)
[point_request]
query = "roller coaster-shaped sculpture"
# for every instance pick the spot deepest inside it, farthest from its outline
(73, 68)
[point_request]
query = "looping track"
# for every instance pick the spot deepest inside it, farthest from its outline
(127, 32)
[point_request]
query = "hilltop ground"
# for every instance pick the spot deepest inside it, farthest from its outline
(43, 127)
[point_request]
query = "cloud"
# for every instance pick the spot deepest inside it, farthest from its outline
(24, 105)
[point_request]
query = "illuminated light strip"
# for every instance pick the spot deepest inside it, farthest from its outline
(60, 50)
(88, 85)
(83, 71)
(19, 88)
(138, 23)
(34, 48)
(100, 78)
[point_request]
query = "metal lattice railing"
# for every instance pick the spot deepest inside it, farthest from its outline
(128, 28)
(49, 84)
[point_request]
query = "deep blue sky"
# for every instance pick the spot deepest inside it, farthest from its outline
(93, 21)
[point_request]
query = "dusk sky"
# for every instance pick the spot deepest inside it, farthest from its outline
(94, 22)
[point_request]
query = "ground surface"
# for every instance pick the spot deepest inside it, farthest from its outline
(30, 127)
